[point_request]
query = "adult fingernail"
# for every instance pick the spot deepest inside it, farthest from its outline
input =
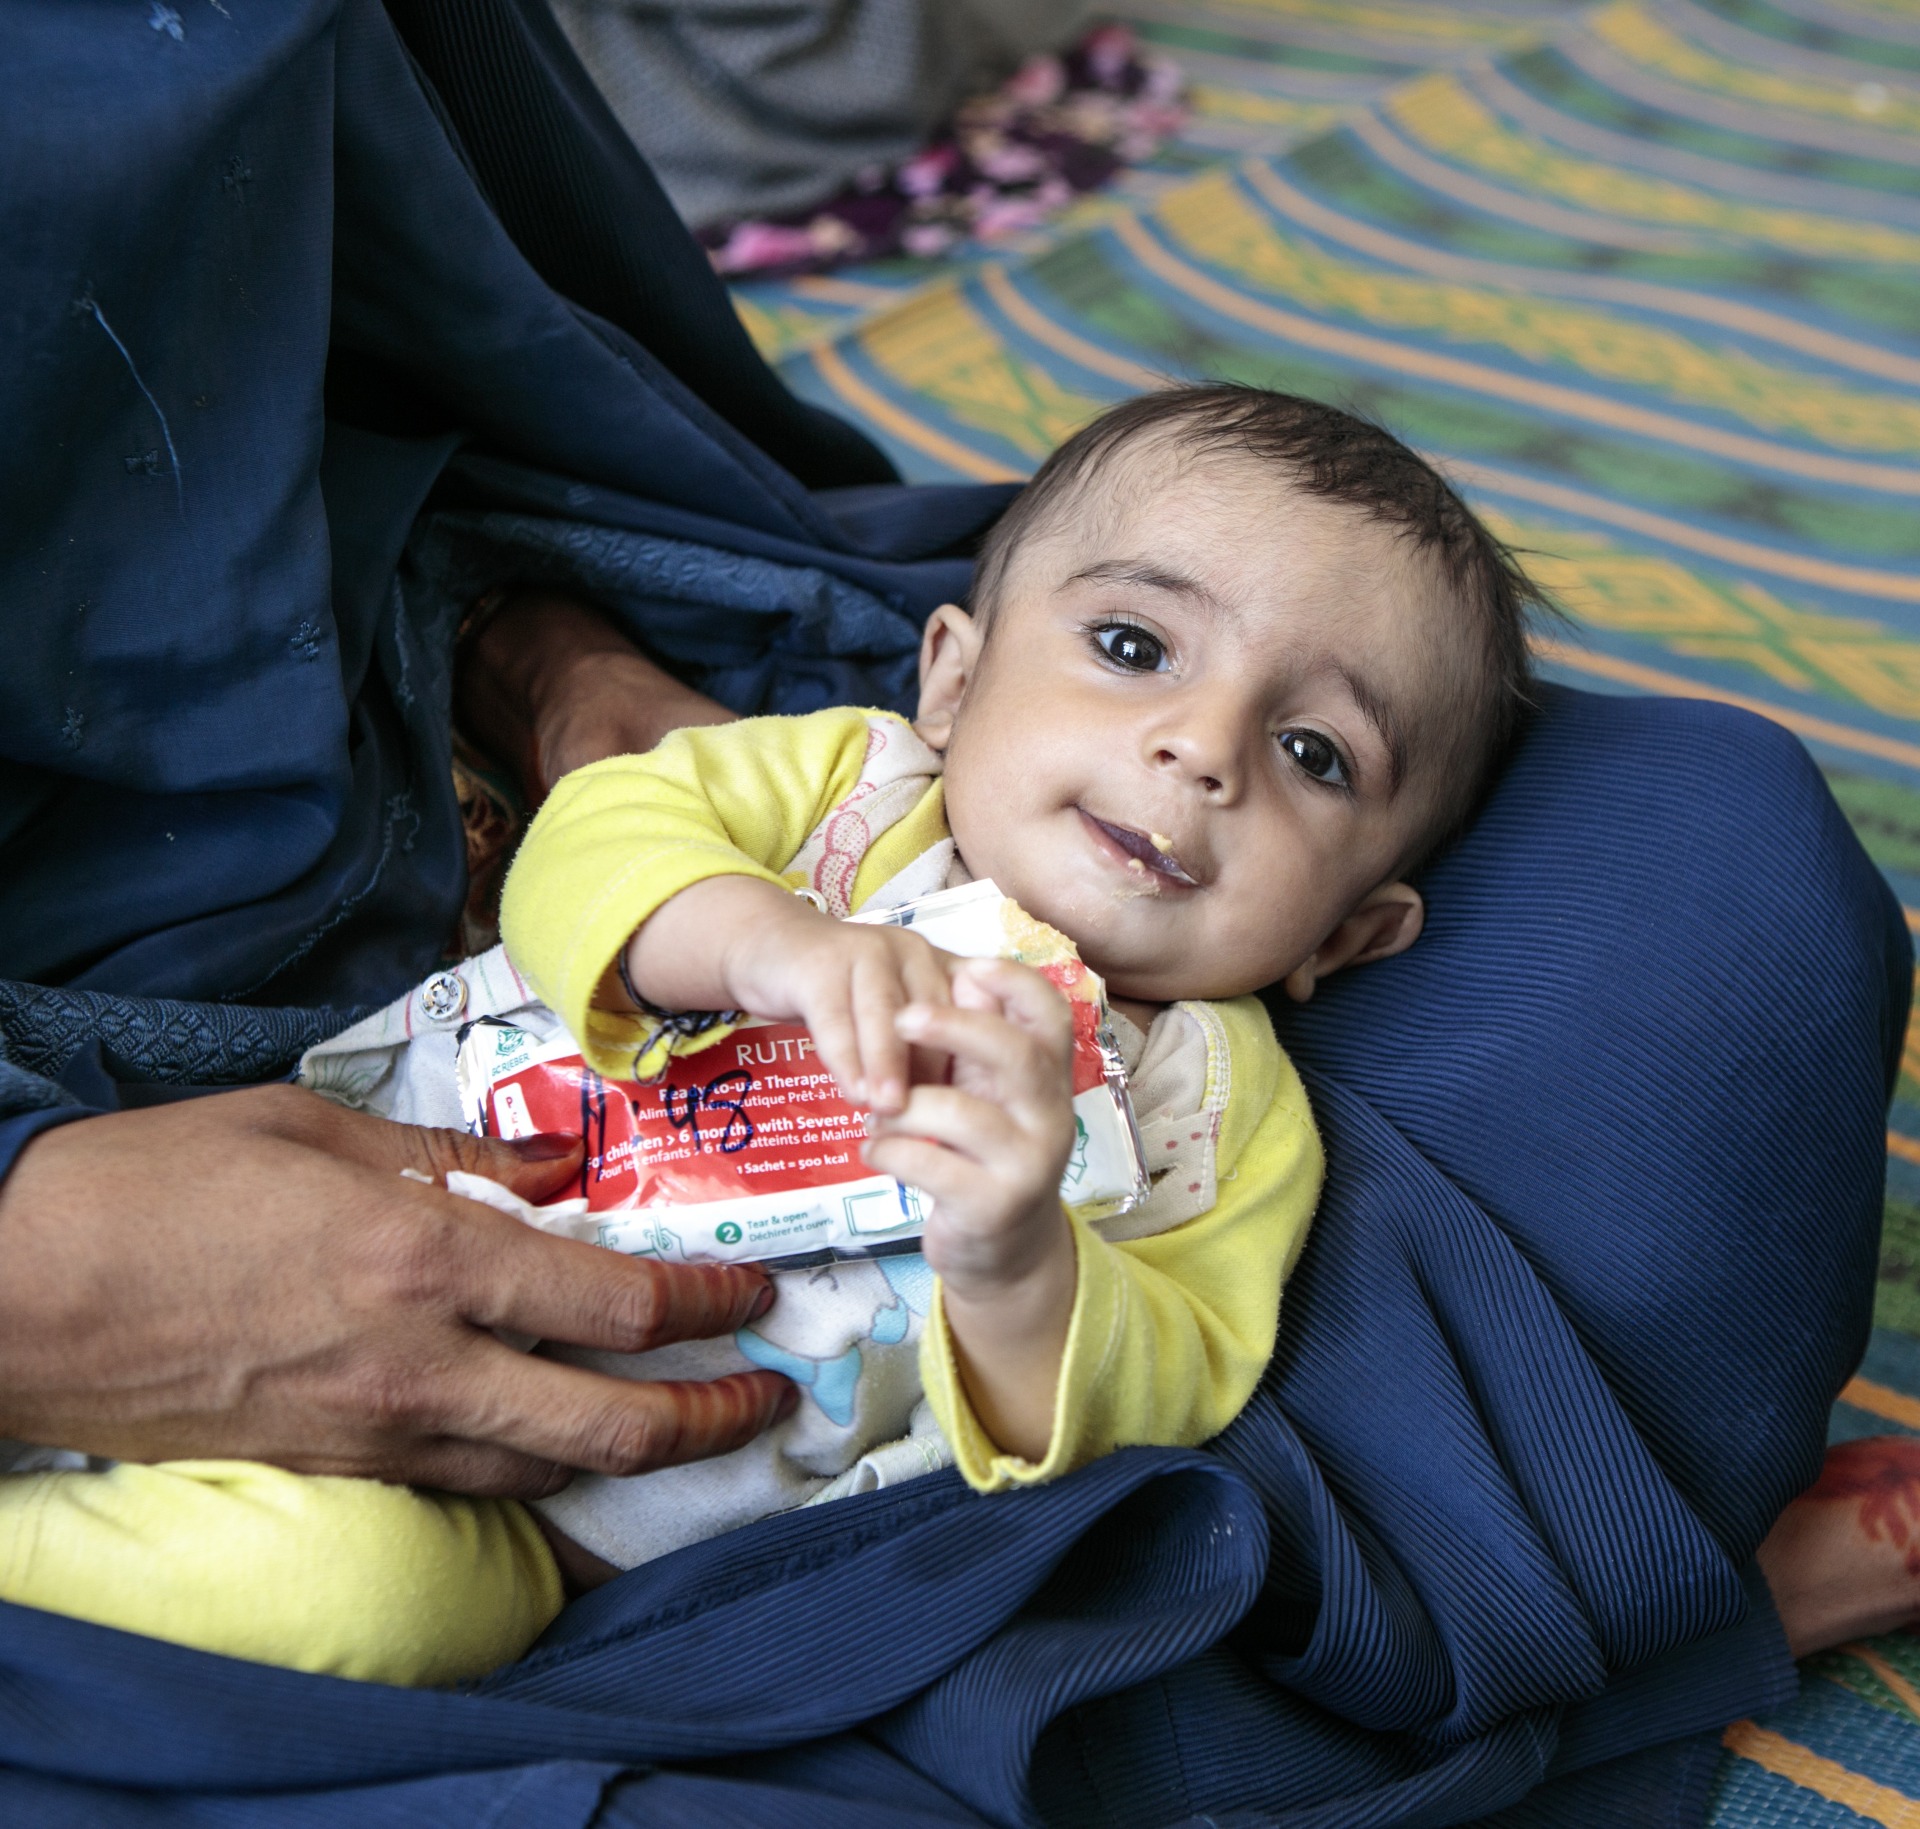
(543, 1146)
(761, 1303)
(913, 1019)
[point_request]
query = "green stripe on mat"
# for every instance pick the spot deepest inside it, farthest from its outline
(1646, 278)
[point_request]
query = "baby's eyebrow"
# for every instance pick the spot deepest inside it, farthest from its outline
(1150, 577)
(1379, 712)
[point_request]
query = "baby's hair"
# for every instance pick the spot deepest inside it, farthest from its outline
(1326, 452)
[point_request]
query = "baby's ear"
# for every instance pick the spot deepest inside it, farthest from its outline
(1387, 922)
(949, 652)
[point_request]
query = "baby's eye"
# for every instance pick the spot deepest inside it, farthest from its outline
(1130, 646)
(1315, 755)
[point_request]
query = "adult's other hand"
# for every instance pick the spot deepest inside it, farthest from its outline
(549, 686)
(249, 1275)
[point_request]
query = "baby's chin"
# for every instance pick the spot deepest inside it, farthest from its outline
(1165, 964)
(1147, 945)
(1134, 949)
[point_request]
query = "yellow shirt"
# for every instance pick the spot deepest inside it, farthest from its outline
(1169, 1332)
(1170, 1329)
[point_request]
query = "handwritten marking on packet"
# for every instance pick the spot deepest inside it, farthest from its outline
(749, 1152)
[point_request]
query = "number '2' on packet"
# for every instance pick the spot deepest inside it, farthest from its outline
(746, 1151)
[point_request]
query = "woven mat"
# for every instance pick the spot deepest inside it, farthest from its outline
(1645, 277)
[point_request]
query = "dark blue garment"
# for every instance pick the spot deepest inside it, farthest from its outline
(1594, 1256)
(256, 299)
(1604, 1148)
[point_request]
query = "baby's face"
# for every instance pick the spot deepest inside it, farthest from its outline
(1193, 739)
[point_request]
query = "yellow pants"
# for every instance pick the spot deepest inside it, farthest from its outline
(346, 1577)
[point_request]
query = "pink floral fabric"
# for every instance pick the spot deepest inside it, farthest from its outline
(1061, 126)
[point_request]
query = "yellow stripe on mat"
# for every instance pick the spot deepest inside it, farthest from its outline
(1499, 384)
(1879, 1400)
(1896, 1685)
(1903, 1147)
(1674, 301)
(1903, 587)
(844, 291)
(878, 410)
(1028, 317)
(1826, 1778)
(1651, 679)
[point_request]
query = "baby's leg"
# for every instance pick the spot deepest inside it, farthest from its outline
(350, 1578)
(1843, 1560)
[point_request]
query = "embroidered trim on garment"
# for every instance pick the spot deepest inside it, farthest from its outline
(1180, 1084)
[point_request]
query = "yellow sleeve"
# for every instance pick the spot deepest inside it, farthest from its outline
(1170, 1333)
(617, 839)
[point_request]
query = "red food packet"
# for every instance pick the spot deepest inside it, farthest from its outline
(746, 1151)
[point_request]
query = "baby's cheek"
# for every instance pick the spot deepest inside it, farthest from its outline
(1267, 938)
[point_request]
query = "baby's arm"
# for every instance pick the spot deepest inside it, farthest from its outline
(1169, 1334)
(617, 841)
(989, 1147)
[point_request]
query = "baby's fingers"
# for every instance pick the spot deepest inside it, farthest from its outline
(878, 998)
(949, 1181)
(929, 980)
(1022, 996)
(973, 1126)
(928, 975)
(829, 1016)
(1019, 1067)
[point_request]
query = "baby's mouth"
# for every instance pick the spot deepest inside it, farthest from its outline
(1146, 849)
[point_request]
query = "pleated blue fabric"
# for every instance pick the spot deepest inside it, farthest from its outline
(1594, 1256)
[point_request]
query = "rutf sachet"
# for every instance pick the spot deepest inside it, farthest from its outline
(746, 1151)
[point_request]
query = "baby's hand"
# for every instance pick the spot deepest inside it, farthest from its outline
(848, 984)
(991, 1148)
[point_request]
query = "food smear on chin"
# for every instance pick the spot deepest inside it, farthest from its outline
(1141, 881)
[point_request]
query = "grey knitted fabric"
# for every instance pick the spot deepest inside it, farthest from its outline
(759, 106)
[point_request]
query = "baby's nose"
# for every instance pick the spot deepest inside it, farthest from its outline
(1204, 749)
(1171, 758)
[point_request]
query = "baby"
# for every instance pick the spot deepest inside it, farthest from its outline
(1236, 665)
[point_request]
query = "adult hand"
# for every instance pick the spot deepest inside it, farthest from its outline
(250, 1275)
(548, 686)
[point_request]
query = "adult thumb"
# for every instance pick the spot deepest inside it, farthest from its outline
(539, 1168)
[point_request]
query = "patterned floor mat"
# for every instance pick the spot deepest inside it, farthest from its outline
(1645, 277)
(1263, 74)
